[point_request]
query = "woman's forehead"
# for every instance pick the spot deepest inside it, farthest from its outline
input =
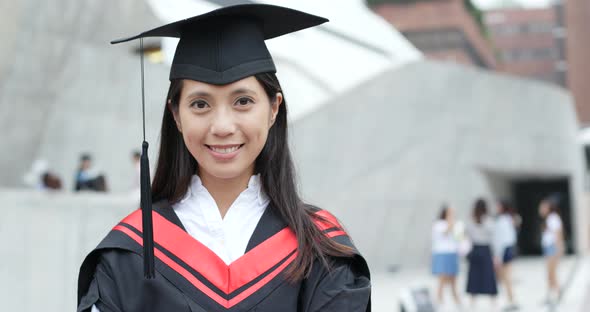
(248, 84)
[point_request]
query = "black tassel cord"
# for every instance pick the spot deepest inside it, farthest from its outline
(146, 191)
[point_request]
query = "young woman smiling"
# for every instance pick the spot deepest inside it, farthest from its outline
(230, 232)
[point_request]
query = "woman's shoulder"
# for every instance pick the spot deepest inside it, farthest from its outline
(331, 226)
(554, 220)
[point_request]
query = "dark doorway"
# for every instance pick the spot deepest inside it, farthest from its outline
(527, 196)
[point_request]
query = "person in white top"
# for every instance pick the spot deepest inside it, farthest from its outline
(552, 241)
(445, 253)
(504, 244)
(481, 276)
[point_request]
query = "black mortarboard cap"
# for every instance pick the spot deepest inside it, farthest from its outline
(219, 47)
(227, 44)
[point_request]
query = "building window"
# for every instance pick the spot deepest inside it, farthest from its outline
(519, 55)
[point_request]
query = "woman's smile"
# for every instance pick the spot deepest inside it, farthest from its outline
(224, 152)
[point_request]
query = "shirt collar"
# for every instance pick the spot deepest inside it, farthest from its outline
(254, 189)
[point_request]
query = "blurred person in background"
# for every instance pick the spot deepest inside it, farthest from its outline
(87, 178)
(552, 241)
(481, 277)
(51, 181)
(445, 253)
(85, 175)
(34, 177)
(505, 235)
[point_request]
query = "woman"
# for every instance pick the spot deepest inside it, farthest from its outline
(481, 279)
(445, 257)
(505, 247)
(230, 232)
(552, 242)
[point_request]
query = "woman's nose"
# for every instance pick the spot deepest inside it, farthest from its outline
(223, 123)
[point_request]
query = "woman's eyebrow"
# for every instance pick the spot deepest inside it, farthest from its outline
(198, 94)
(242, 91)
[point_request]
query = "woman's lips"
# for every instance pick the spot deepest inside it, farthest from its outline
(224, 152)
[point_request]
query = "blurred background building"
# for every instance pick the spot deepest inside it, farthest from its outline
(447, 30)
(529, 42)
(543, 42)
(577, 16)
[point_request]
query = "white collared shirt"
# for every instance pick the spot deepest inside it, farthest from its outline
(227, 237)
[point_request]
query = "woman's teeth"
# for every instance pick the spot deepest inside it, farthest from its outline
(226, 150)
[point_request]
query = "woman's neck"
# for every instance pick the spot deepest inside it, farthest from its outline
(225, 191)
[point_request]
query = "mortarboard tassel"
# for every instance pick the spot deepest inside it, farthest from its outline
(146, 192)
(146, 214)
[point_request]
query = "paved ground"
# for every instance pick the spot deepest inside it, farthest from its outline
(529, 280)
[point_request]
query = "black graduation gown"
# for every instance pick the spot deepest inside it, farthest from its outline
(190, 277)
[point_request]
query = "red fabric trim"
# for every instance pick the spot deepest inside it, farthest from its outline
(176, 267)
(227, 278)
(245, 294)
(330, 222)
(261, 258)
(335, 233)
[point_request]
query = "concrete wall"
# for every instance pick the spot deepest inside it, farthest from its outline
(65, 90)
(385, 156)
(44, 239)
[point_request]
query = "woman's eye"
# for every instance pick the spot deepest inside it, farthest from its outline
(244, 101)
(199, 104)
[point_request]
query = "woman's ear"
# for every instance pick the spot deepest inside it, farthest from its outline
(174, 112)
(275, 107)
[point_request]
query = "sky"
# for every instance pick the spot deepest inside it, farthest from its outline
(488, 4)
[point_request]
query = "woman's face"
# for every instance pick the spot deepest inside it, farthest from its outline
(225, 127)
(499, 209)
(543, 208)
(450, 213)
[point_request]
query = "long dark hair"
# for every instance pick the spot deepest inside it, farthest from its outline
(444, 209)
(554, 202)
(480, 209)
(176, 166)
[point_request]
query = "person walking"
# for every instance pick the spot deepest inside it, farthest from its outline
(481, 277)
(552, 241)
(445, 254)
(505, 236)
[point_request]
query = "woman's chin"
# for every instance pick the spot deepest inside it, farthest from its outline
(226, 172)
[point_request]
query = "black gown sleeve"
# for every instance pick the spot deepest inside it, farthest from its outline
(102, 291)
(118, 285)
(345, 287)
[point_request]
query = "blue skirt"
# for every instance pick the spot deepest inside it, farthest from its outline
(481, 279)
(550, 250)
(445, 264)
(509, 254)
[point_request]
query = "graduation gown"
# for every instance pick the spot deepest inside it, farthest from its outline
(190, 277)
